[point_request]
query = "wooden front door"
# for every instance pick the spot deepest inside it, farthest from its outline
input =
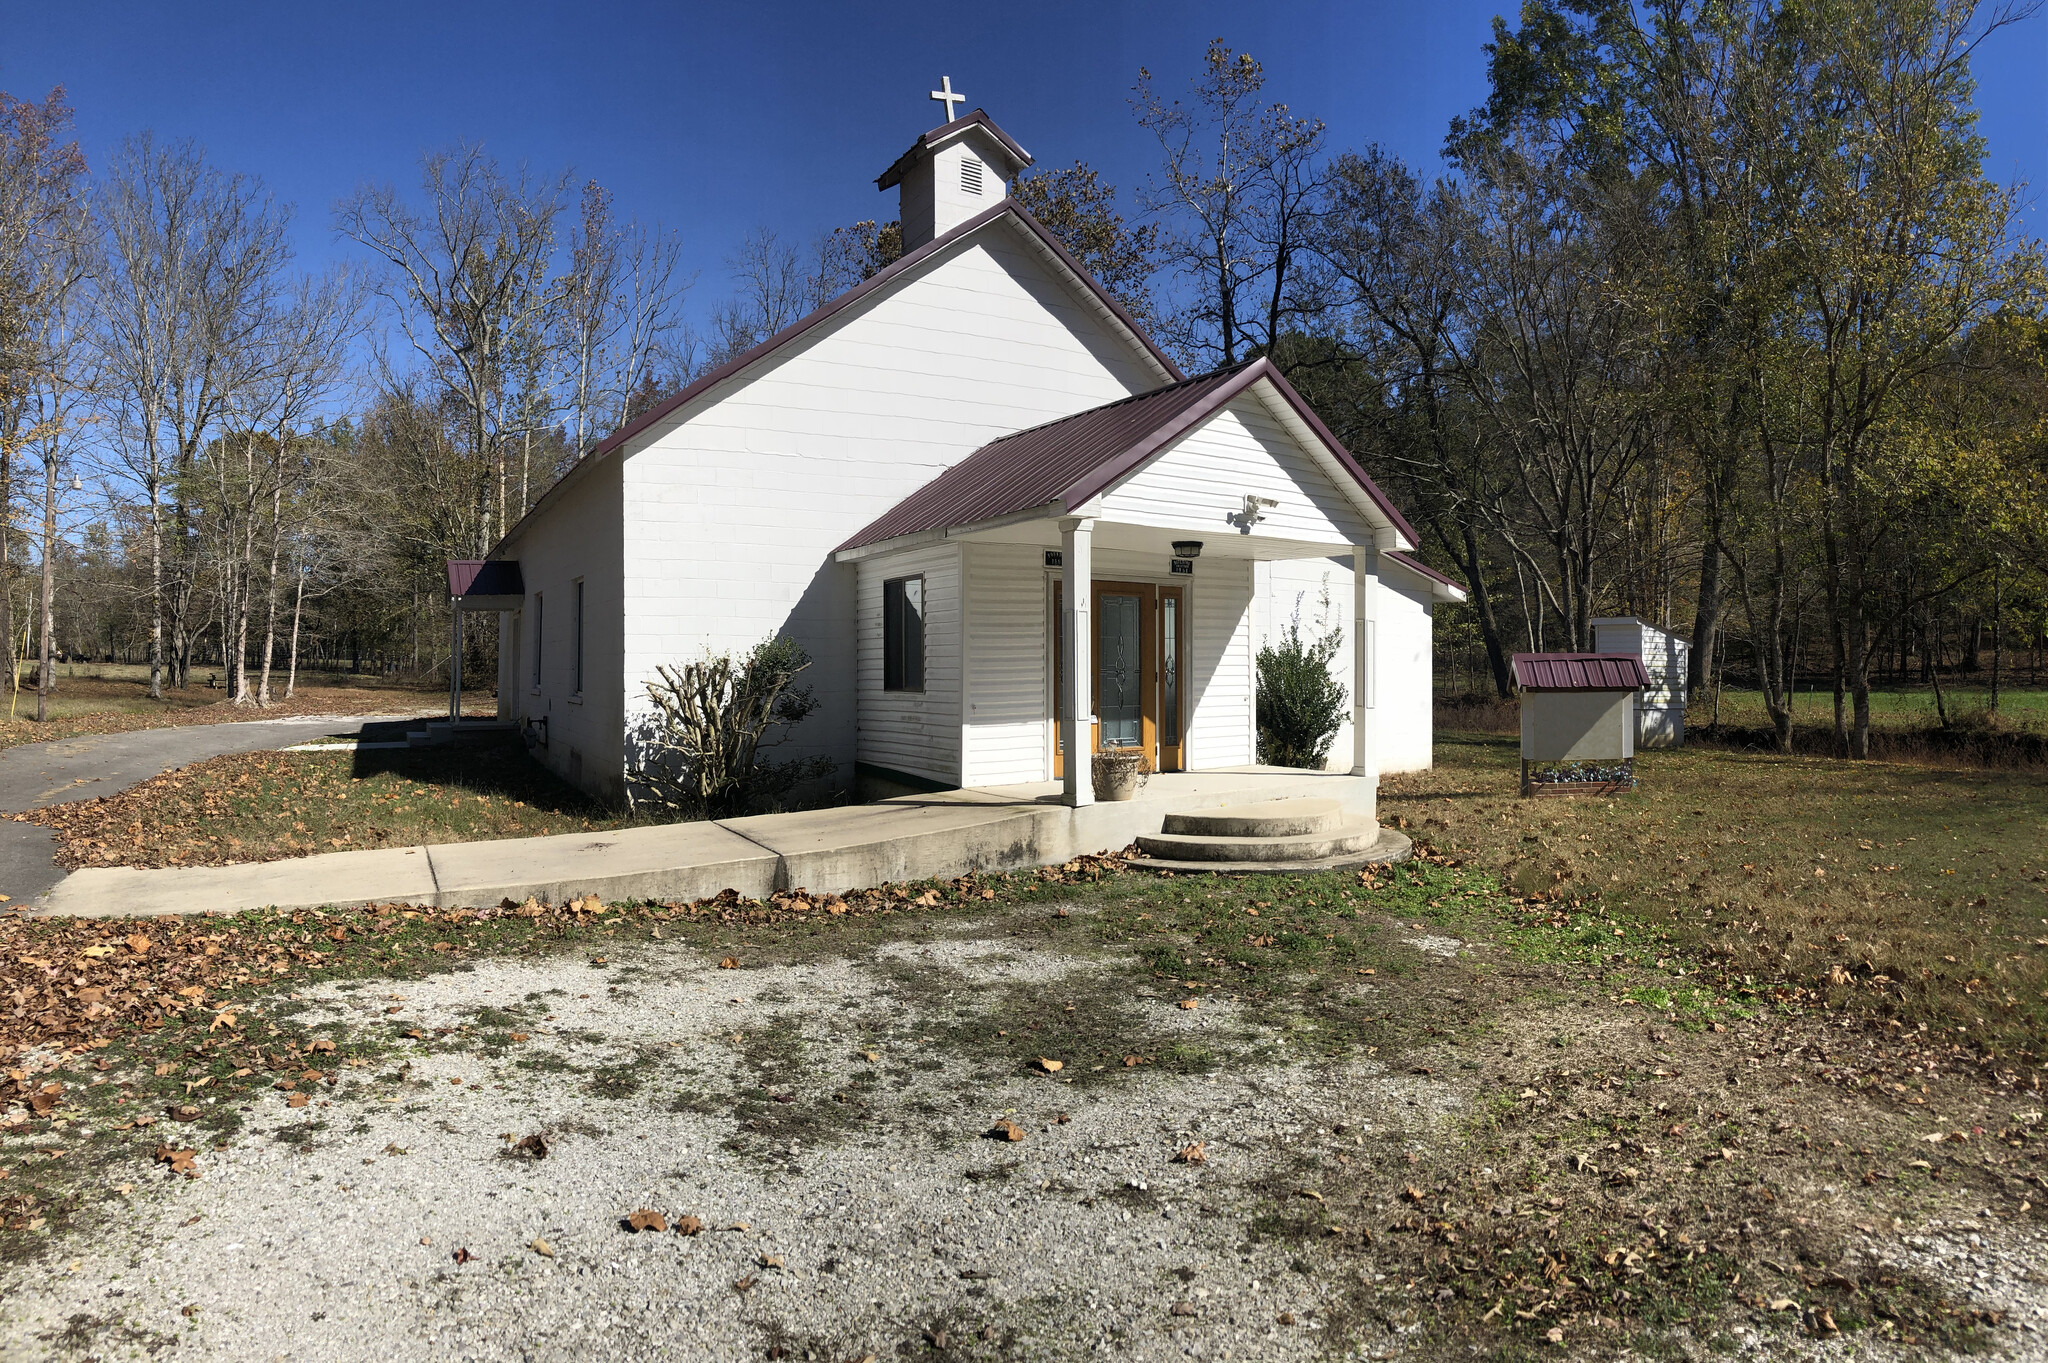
(1139, 666)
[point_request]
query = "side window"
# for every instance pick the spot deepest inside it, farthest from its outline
(579, 636)
(539, 635)
(903, 634)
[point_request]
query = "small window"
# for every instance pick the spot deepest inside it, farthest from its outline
(539, 636)
(579, 636)
(903, 634)
(970, 176)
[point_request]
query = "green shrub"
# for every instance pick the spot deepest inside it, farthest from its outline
(1301, 706)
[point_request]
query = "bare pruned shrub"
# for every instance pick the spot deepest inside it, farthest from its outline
(700, 754)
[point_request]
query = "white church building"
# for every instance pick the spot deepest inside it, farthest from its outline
(1003, 523)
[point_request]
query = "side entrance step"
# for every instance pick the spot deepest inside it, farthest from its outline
(1278, 836)
(440, 732)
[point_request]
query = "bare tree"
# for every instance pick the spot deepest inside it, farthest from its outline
(1237, 191)
(466, 272)
(41, 178)
(192, 256)
(620, 303)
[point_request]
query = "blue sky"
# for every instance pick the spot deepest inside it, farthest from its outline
(718, 119)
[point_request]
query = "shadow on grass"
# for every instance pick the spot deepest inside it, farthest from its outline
(499, 770)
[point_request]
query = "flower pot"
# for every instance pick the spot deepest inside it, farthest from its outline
(1117, 774)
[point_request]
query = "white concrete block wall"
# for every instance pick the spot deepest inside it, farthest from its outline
(737, 507)
(913, 732)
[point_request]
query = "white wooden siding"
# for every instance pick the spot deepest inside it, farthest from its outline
(913, 731)
(1404, 716)
(1404, 691)
(1221, 725)
(735, 510)
(1201, 480)
(580, 539)
(1007, 679)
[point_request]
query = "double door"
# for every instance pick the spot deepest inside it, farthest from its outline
(1139, 660)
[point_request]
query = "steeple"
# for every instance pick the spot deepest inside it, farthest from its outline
(953, 172)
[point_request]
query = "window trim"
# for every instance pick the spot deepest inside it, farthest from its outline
(577, 675)
(895, 592)
(539, 638)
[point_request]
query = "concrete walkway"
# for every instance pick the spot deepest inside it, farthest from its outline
(854, 846)
(37, 774)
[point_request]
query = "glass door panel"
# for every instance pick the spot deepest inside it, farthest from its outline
(1120, 704)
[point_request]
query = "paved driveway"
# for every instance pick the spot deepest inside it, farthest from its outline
(38, 774)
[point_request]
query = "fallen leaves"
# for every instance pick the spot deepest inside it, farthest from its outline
(179, 1160)
(729, 963)
(1192, 1154)
(645, 1219)
(689, 1225)
(1006, 1130)
(541, 1247)
(1050, 1066)
(531, 1147)
(463, 1256)
(1191, 1003)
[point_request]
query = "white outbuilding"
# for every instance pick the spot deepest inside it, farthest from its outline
(1660, 705)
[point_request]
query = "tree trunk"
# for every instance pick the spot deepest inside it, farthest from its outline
(44, 682)
(270, 597)
(156, 583)
(7, 678)
(291, 680)
(1997, 634)
(1706, 620)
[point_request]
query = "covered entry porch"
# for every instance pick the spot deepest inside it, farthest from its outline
(1087, 586)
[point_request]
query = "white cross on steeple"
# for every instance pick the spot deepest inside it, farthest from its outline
(944, 94)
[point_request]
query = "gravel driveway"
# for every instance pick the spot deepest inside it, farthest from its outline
(851, 1206)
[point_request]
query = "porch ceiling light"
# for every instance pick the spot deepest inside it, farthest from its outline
(1187, 548)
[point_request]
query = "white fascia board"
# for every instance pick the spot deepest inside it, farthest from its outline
(919, 538)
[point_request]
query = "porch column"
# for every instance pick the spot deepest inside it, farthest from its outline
(1077, 638)
(1365, 583)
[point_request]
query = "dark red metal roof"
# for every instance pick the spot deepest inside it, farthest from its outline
(1076, 458)
(485, 577)
(1579, 672)
(894, 174)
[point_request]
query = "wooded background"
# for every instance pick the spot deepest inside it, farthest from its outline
(1713, 318)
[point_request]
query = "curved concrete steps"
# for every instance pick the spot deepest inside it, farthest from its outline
(1278, 836)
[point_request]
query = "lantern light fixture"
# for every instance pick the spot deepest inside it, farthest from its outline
(1187, 548)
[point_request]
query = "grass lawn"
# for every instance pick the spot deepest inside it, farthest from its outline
(267, 806)
(1909, 707)
(121, 704)
(1899, 892)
